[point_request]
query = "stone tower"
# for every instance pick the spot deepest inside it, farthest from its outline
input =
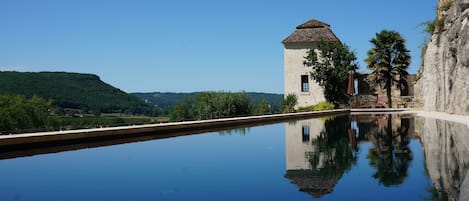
(297, 76)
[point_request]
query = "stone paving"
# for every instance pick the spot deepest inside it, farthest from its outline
(463, 119)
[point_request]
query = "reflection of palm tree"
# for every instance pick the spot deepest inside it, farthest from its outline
(391, 155)
(333, 154)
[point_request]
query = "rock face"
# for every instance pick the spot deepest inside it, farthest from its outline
(443, 83)
(446, 157)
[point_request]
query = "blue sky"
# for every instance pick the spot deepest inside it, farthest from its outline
(184, 45)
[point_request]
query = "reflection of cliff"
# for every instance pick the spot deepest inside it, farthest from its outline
(318, 153)
(446, 148)
(464, 195)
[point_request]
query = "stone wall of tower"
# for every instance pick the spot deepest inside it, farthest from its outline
(293, 70)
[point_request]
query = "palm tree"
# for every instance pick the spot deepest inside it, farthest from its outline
(289, 103)
(389, 59)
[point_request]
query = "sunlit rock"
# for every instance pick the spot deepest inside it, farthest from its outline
(444, 76)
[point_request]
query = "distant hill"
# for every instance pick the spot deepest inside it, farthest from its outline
(85, 92)
(166, 100)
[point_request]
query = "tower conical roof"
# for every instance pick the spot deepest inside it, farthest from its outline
(310, 32)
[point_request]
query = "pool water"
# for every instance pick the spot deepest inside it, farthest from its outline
(368, 157)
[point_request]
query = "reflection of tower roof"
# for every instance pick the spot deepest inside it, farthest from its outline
(310, 182)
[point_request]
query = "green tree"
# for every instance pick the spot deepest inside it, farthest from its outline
(331, 66)
(289, 103)
(262, 107)
(183, 110)
(18, 113)
(388, 59)
(179, 113)
(242, 104)
(212, 105)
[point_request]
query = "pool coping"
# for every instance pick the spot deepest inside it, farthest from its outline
(378, 110)
(462, 119)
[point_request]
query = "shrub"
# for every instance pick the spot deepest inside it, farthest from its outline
(306, 109)
(18, 112)
(212, 105)
(446, 5)
(439, 22)
(289, 103)
(323, 106)
(318, 107)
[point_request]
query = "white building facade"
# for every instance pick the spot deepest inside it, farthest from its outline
(297, 76)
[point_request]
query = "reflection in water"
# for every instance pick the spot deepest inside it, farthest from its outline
(446, 148)
(320, 151)
(333, 154)
(391, 155)
(240, 131)
(318, 157)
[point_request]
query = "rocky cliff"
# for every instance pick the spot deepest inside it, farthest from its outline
(443, 83)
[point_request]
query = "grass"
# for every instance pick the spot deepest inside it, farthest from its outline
(440, 23)
(440, 20)
(446, 5)
(318, 107)
(105, 120)
(437, 25)
(126, 116)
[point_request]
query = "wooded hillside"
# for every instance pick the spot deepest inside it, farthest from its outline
(85, 92)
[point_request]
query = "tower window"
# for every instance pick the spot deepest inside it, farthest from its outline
(304, 83)
(305, 133)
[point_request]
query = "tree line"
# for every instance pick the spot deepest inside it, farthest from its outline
(17, 112)
(214, 105)
(21, 114)
(165, 101)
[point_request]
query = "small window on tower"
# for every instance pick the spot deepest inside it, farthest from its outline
(304, 83)
(305, 133)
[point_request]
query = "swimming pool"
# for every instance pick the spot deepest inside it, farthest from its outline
(365, 157)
